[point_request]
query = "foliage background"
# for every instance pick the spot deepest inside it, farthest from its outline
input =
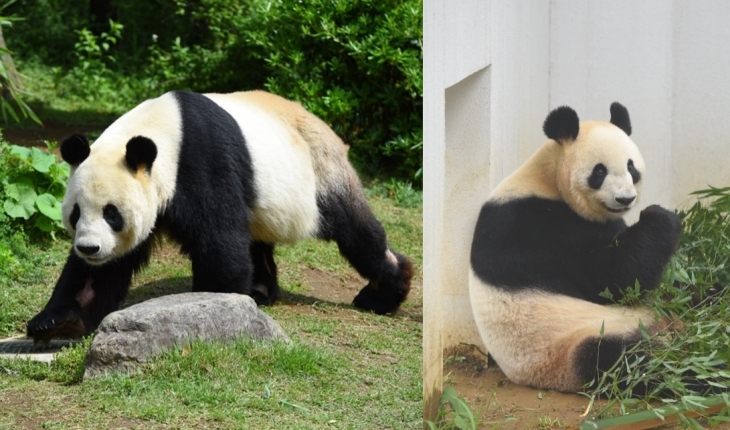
(357, 64)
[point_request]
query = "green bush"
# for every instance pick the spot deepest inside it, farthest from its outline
(33, 185)
(703, 258)
(702, 348)
(356, 64)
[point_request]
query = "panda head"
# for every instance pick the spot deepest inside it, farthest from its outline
(109, 207)
(600, 169)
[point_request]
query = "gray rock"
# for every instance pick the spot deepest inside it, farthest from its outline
(133, 335)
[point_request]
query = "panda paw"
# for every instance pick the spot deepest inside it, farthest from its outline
(386, 295)
(374, 299)
(666, 222)
(264, 295)
(59, 323)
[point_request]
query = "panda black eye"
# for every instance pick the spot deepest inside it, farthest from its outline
(73, 219)
(597, 176)
(635, 175)
(113, 217)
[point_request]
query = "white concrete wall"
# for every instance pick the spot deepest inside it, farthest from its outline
(668, 62)
(700, 125)
(482, 74)
(493, 69)
(456, 49)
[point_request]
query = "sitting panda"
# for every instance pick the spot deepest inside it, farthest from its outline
(226, 176)
(550, 239)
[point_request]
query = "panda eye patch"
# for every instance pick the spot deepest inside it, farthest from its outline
(73, 219)
(635, 175)
(597, 176)
(113, 217)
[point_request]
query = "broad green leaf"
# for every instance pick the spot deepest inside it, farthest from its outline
(49, 206)
(44, 224)
(21, 201)
(20, 152)
(42, 161)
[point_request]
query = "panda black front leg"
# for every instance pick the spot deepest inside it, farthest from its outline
(85, 294)
(63, 316)
(265, 285)
(643, 250)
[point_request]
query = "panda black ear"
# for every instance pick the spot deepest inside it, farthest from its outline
(141, 152)
(620, 117)
(75, 149)
(561, 124)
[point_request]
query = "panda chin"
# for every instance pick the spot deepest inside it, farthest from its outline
(97, 261)
(616, 211)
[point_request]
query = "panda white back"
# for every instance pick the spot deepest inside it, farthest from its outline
(285, 207)
(550, 239)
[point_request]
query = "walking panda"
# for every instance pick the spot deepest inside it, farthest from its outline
(226, 176)
(550, 239)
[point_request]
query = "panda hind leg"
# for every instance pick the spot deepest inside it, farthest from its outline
(265, 285)
(361, 239)
(596, 356)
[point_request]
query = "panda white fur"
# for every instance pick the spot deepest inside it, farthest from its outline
(550, 239)
(226, 176)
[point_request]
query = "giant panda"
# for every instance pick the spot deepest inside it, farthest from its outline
(227, 176)
(550, 239)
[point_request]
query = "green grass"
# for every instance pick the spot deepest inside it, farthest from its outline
(344, 368)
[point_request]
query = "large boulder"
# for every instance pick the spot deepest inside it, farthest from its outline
(131, 336)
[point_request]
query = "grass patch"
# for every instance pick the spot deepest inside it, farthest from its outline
(344, 369)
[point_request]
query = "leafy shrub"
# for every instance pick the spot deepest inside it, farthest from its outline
(401, 192)
(33, 186)
(702, 348)
(356, 64)
(704, 255)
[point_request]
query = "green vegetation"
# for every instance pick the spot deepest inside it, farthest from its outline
(33, 185)
(357, 65)
(453, 414)
(702, 348)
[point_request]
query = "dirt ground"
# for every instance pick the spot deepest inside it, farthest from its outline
(498, 403)
(50, 131)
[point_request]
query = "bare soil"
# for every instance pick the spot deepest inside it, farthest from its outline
(498, 403)
(50, 131)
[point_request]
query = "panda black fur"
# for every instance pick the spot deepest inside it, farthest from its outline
(226, 176)
(550, 239)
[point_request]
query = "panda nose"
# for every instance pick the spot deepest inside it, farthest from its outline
(625, 200)
(87, 250)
